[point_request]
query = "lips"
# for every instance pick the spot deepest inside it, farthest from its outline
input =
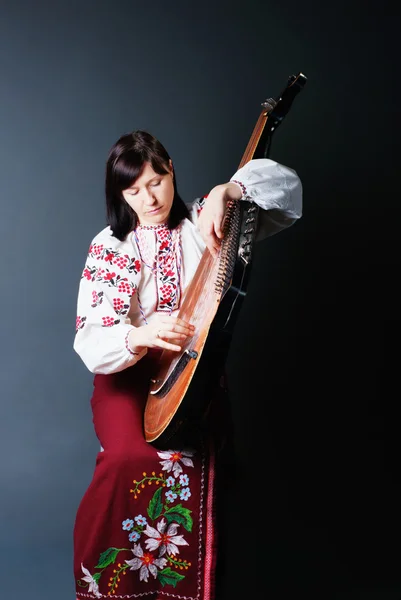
(152, 212)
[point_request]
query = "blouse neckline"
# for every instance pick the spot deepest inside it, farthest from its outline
(153, 227)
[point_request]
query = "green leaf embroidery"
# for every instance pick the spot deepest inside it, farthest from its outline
(169, 577)
(155, 507)
(179, 515)
(107, 558)
(96, 577)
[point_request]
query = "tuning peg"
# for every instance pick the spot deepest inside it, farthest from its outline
(270, 103)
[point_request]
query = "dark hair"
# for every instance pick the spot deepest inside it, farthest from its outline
(125, 163)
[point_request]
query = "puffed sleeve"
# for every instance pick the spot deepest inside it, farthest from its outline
(276, 189)
(107, 284)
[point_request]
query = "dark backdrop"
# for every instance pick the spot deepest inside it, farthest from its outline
(314, 361)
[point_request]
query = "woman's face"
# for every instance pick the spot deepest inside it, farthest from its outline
(151, 195)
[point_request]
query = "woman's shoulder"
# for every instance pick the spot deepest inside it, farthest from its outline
(105, 236)
(106, 241)
(111, 255)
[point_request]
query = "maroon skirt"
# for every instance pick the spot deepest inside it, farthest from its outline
(146, 526)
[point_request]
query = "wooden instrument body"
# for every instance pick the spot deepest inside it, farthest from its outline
(185, 383)
(196, 371)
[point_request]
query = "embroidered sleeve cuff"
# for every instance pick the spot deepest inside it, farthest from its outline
(137, 355)
(245, 195)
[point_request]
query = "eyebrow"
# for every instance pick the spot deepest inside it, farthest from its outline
(149, 181)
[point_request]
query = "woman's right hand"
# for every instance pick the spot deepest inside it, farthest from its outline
(165, 332)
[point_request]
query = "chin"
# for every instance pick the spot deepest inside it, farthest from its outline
(157, 219)
(162, 218)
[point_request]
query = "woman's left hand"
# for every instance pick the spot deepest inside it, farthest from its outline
(211, 218)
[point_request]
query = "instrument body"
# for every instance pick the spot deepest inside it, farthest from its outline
(185, 383)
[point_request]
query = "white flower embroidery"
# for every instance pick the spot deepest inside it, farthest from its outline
(93, 586)
(166, 541)
(146, 563)
(171, 460)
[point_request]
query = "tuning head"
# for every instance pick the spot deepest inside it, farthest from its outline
(299, 79)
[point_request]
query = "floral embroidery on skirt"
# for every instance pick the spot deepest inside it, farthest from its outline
(145, 526)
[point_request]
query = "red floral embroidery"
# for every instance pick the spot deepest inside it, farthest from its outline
(99, 274)
(114, 257)
(168, 276)
(114, 280)
(79, 323)
(108, 273)
(121, 261)
(120, 307)
(126, 288)
(110, 321)
(88, 273)
(166, 292)
(95, 250)
(97, 298)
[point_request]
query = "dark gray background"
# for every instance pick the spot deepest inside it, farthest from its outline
(313, 365)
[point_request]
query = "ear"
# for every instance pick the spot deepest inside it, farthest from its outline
(170, 166)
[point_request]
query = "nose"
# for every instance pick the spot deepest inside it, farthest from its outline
(150, 198)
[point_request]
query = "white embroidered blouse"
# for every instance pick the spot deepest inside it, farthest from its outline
(120, 287)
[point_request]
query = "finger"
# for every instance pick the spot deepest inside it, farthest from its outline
(216, 236)
(215, 247)
(161, 342)
(181, 343)
(204, 225)
(181, 329)
(213, 251)
(173, 334)
(208, 231)
(168, 346)
(219, 231)
(210, 238)
(169, 334)
(218, 226)
(179, 322)
(212, 243)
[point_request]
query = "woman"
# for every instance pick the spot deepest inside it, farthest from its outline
(146, 526)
